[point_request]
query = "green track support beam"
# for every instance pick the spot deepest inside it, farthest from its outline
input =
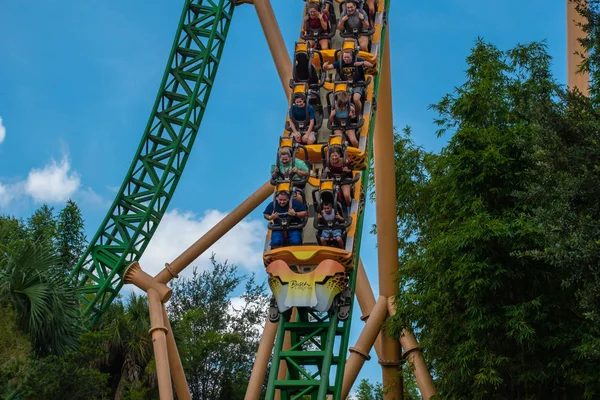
(162, 154)
(312, 354)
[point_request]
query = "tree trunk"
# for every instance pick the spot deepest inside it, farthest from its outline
(120, 387)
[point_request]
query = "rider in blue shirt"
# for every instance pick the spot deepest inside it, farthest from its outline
(302, 112)
(294, 211)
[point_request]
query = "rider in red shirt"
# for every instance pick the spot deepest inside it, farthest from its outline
(315, 20)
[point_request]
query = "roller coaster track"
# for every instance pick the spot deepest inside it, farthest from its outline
(317, 344)
(161, 156)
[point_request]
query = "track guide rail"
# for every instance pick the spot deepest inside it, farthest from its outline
(161, 156)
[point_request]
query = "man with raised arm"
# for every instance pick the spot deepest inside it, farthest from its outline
(352, 72)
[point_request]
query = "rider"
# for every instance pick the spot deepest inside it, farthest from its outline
(328, 215)
(284, 167)
(353, 72)
(314, 20)
(299, 112)
(344, 111)
(338, 167)
(355, 19)
(327, 4)
(284, 208)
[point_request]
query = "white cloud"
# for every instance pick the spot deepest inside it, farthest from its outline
(237, 303)
(2, 131)
(55, 182)
(241, 246)
(9, 192)
(5, 195)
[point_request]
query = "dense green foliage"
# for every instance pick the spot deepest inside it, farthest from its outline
(32, 282)
(70, 239)
(368, 391)
(217, 340)
(130, 356)
(46, 352)
(76, 375)
(499, 234)
(40, 309)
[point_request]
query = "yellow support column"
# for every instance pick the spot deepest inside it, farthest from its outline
(412, 354)
(259, 370)
(366, 300)
(387, 230)
(360, 352)
(575, 50)
(158, 331)
(276, 44)
(177, 373)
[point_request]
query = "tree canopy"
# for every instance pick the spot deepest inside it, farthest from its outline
(499, 234)
(48, 350)
(217, 338)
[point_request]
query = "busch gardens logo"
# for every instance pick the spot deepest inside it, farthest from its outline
(302, 286)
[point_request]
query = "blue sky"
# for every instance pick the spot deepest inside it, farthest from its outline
(78, 80)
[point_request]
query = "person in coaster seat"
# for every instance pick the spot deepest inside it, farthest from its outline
(326, 6)
(344, 111)
(286, 169)
(329, 216)
(290, 210)
(352, 72)
(353, 19)
(316, 21)
(337, 167)
(300, 111)
(370, 7)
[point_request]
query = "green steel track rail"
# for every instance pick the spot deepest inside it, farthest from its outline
(161, 156)
(319, 344)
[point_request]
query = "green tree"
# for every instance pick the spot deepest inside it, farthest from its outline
(70, 237)
(494, 316)
(217, 341)
(42, 225)
(369, 391)
(13, 233)
(31, 281)
(73, 376)
(43, 354)
(131, 358)
(571, 163)
(15, 351)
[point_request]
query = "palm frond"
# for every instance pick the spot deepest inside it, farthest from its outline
(32, 280)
